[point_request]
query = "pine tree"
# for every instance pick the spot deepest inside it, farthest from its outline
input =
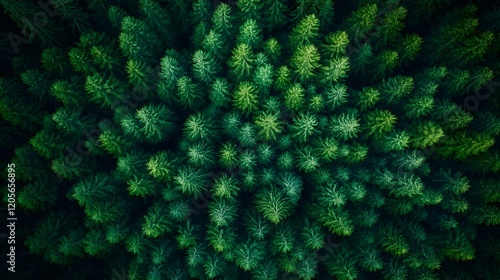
(245, 98)
(250, 34)
(241, 62)
(425, 134)
(361, 21)
(304, 126)
(189, 93)
(379, 122)
(136, 40)
(269, 124)
(390, 27)
(106, 211)
(37, 196)
(249, 254)
(384, 64)
(71, 120)
(361, 57)
(54, 60)
(157, 19)
(138, 75)
(336, 70)
(105, 91)
(273, 204)
(191, 181)
(409, 48)
(462, 146)
(223, 23)
(345, 126)
(156, 122)
(275, 14)
(306, 32)
(393, 241)
(305, 62)
(156, 221)
(222, 212)
(307, 159)
(204, 66)
(250, 10)
(419, 106)
(335, 44)
(162, 165)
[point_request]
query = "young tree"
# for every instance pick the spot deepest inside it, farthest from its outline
(335, 44)
(201, 155)
(157, 20)
(137, 40)
(307, 159)
(248, 255)
(199, 127)
(294, 97)
(384, 64)
(223, 23)
(418, 106)
(409, 48)
(105, 91)
(390, 27)
(360, 58)
(222, 212)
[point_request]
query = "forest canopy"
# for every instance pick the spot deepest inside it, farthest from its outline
(252, 139)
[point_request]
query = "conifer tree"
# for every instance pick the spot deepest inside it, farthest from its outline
(241, 62)
(361, 21)
(275, 14)
(204, 66)
(156, 122)
(136, 41)
(189, 93)
(223, 22)
(305, 61)
(245, 98)
(306, 32)
(273, 204)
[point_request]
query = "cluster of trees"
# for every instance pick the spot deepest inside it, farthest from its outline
(258, 139)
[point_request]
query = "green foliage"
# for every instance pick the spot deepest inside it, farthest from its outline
(245, 98)
(191, 181)
(269, 124)
(273, 204)
(305, 61)
(344, 126)
(156, 122)
(393, 241)
(253, 139)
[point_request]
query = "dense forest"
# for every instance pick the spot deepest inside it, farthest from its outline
(251, 139)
